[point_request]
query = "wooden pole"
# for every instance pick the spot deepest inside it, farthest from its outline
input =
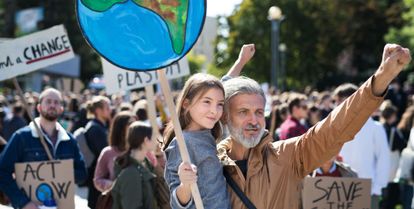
(29, 112)
(152, 113)
(178, 133)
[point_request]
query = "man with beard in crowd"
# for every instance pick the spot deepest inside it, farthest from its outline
(25, 146)
(269, 174)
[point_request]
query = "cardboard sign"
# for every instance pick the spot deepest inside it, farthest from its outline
(45, 179)
(34, 51)
(117, 79)
(336, 193)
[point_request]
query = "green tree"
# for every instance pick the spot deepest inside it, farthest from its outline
(319, 35)
(404, 34)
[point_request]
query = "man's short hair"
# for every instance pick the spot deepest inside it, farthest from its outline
(47, 91)
(241, 85)
(345, 90)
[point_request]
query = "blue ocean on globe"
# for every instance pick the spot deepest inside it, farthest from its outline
(44, 192)
(136, 38)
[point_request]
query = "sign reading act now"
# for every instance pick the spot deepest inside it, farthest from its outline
(47, 180)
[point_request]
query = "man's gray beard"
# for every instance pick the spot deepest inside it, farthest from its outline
(237, 135)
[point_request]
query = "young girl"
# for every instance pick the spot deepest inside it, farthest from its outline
(104, 171)
(199, 108)
(133, 187)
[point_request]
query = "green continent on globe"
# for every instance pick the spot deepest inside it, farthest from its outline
(174, 13)
(101, 5)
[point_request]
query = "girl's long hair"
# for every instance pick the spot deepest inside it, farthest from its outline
(118, 131)
(195, 87)
(137, 132)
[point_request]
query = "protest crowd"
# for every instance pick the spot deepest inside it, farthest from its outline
(265, 143)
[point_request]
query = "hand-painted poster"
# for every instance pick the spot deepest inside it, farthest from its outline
(141, 34)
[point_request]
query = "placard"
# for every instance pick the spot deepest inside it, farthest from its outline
(45, 179)
(336, 193)
(117, 79)
(34, 51)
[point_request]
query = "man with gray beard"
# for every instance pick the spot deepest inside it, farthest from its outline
(269, 173)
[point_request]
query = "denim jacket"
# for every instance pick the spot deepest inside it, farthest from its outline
(25, 146)
(201, 147)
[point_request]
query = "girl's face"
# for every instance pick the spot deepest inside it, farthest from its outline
(206, 110)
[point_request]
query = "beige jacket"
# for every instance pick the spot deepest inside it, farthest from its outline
(275, 170)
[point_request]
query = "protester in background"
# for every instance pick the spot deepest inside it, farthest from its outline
(405, 173)
(407, 122)
(298, 109)
(314, 116)
(25, 146)
(396, 141)
(368, 152)
(104, 171)
(15, 122)
(325, 104)
(133, 187)
(334, 168)
(96, 135)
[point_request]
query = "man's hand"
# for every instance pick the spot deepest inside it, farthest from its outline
(246, 53)
(394, 59)
(31, 205)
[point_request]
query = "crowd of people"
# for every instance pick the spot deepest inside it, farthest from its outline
(263, 142)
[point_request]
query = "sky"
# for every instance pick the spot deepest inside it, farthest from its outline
(221, 7)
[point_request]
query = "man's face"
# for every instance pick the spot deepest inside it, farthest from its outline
(246, 121)
(51, 106)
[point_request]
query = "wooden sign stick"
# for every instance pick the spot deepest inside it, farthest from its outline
(29, 112)
(152, 113)
(178, 133)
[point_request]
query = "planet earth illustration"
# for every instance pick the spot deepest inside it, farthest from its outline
(141, 34)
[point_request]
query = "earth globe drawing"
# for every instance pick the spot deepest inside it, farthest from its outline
(141, 35)
(44, 192)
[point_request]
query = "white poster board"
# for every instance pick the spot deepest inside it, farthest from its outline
(117, 79)
(34, 51)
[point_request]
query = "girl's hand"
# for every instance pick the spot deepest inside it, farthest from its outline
(187, 173)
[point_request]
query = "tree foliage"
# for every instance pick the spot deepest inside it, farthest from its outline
(404, 35)
(328, 41)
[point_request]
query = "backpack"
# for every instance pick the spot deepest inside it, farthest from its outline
(88, 155)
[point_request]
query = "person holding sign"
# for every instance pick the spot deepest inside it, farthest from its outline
(25, 146)
(269, 173)
(200, 107)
